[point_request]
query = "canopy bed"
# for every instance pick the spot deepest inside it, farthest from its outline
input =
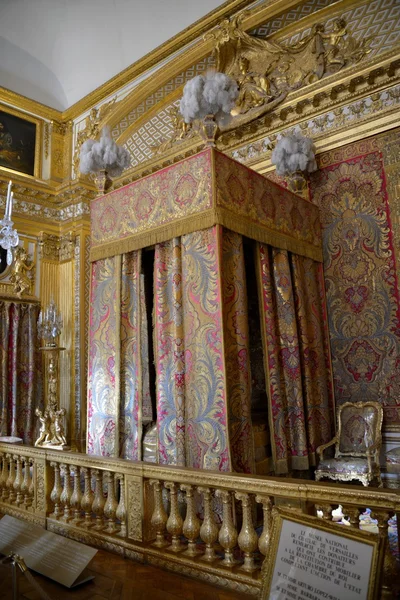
(169, 318)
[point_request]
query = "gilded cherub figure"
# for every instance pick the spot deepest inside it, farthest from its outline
(22, 282)
(254, 89)
(44, 432)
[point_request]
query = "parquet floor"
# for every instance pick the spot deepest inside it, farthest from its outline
(117, 578)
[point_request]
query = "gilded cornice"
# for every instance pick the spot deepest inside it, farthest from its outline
(300, 107)
(28, 105)
(57, 248)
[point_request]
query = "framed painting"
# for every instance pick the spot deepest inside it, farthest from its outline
(313, 558)
(20, 136)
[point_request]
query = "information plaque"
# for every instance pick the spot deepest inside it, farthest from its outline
(47, 553)
(312, 559)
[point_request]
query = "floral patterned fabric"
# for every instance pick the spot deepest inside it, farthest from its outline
(117, 386)
(296, 357)
(203, 388)
(200, 192)
(21, 370)
(355, 189)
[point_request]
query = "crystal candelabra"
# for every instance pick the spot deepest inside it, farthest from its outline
(8, 236)
(49, 325)
(51, 432)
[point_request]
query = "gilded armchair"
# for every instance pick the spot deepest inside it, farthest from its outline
(357, 445)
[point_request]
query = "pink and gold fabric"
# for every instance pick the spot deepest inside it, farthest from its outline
(169, 350)
(200, 192)
(203, 399)
(236, 346)
(296, 357)
(21, 370)
(115, 358)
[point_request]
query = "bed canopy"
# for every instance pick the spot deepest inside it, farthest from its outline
(169, 335)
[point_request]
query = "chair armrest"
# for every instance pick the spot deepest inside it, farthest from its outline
(373, 447)
(321, 449)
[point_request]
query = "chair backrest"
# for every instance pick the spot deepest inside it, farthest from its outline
(359, 427)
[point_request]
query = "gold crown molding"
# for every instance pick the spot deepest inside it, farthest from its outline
(250, 19)
(152, 58)
(188, 58)
(28, 105)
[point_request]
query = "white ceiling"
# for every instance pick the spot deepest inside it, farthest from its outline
(57, 51)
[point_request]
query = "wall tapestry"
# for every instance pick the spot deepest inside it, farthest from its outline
(360, 273)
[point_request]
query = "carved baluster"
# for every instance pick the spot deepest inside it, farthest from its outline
(87, 498)
(31, 489)
(111, 504)
(227, 534)
(18, 481)
(265, 537)
(390, 569)
(4, 474)
(99, 502)
(121, 508)
(208, 529)
(76, 497)
(65, 497)
(56, 491)
(26, 482)
(326, 510)
(175, 521)
(353, 513)
(247, 539)
(191, 524)
(10, 497)
(159, 517)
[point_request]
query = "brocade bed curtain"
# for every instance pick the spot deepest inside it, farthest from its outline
(202, 357)
(119, 398)
(20, 370)
(201, 351)
(296, 355)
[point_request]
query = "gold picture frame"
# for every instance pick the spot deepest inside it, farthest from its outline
(32, 166)
(309, 555)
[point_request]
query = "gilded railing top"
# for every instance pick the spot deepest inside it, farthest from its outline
(253, 484)
(204, 190)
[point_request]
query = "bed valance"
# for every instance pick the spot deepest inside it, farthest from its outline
(199, 192)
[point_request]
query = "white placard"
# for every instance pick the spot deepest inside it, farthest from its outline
(313, 564)
(45, 552)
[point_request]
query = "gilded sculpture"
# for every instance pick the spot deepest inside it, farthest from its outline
(22, 275)
(266, 72)
(93, 125)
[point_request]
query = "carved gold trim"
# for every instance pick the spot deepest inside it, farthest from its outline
(56, 248)
(162, 52)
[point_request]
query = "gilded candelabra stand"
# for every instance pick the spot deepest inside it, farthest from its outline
(51, 434)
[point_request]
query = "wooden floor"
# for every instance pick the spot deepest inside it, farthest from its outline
(117, 578)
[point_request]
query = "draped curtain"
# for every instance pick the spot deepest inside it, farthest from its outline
(118, 387)
(201, 353)
(202, 359)
(20, 369)
(296, 354)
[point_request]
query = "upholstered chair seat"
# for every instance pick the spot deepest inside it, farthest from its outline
(357, 445)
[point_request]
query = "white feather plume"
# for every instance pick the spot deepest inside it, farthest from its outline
(213, 93)
(104, 154)
(294, 153)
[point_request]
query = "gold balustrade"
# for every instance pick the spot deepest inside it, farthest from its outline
(210, 525)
